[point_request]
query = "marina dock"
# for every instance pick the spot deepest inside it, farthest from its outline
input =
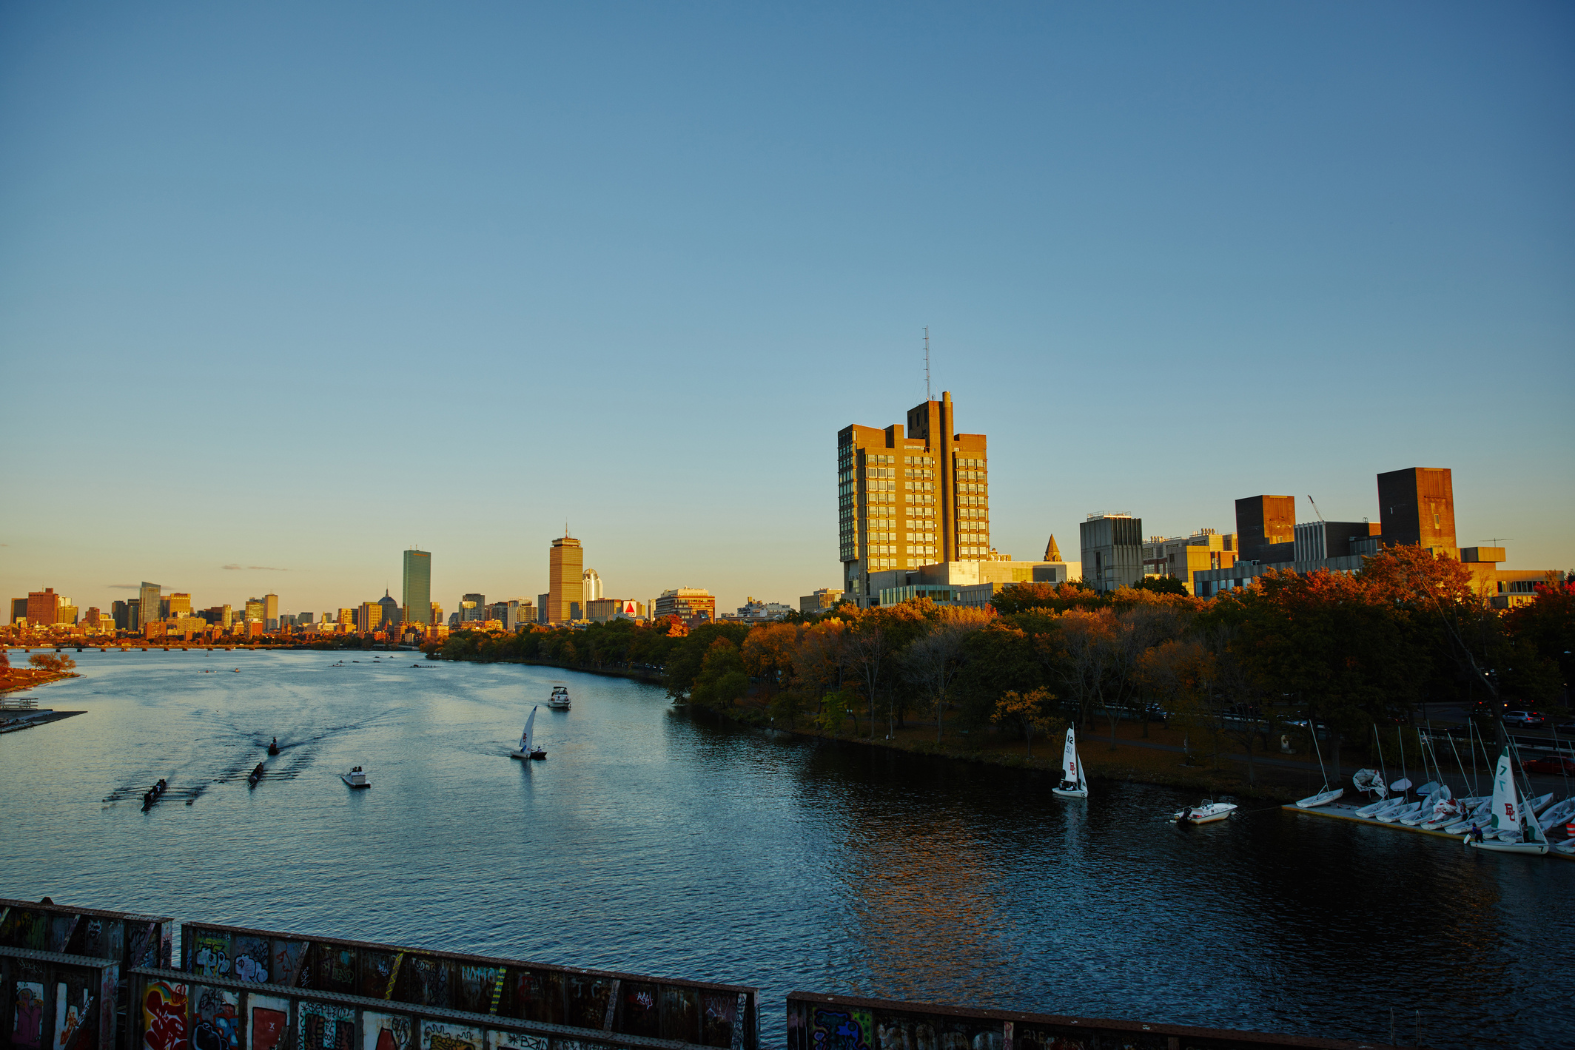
(1347, 811)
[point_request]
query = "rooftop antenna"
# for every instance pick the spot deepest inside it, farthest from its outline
(1315, 508)
(926, 362)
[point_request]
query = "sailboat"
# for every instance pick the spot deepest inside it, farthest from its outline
(1509, 815)
(1328, 794)
(527, 748)
(1072, 783)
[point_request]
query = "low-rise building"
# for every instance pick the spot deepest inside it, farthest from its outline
(603, 610)
(756, 611)
(966, 582)
(692, 605)
(1112, 546)
(823, 599)
(1179, 557)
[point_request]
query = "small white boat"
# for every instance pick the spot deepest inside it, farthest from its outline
(1556, 814)
(1440, 796)
(356, 778)
(1072, 783)
(1377, 809)
(1322, 798)
(559, 700)
(1366, 780)
(1391, 816)
(528, 748)
(1509, 816)
(1205, 812)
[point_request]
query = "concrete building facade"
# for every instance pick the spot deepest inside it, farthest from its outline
(1112, 547)
(1178, 557)
(823, 599)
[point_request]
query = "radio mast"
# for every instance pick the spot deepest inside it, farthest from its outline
(926, 362)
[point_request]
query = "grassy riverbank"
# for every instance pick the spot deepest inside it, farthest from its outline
(16, 679)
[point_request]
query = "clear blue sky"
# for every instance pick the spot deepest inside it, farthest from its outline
(299, 285)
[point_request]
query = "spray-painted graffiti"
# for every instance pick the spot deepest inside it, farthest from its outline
(325, 1026)
(840, 1030)
(210, 955)
(718, 1021)
(438, 1036)
(270, 1019)
(27, 1019)
(164, 1016)
(384, 1031)
(431, 979)
(476, 985)
(217, 1023)
(251, 960)
(73, 1001)
(287, 959)
(61, 927)
(515, 1041)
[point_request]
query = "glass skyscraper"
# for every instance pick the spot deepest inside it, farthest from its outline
(418, 587)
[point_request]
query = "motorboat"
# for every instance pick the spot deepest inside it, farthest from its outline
(1073, 784)
(559, 700)
(273, 748)
(1513, 821)
(256, 775)
(356, 778)
(1205, 812)
(527, 746)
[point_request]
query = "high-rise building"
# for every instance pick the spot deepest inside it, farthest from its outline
(346, 617)
(1112, 550)
(472, 607)
(910, 497)
(43, 607)
(1416, 507)
(271, 611)
(541, 607)
(437, 614)
(590, 587)
(19, 610)
(368, 617)
(1266, 528)
(417, 590)
(134, 615)
(565, 581)
(254, 610)
(179, 604)
(148, 607)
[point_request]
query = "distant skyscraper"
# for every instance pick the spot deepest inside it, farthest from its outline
(565, 580)
(591, 587)
(148, 605)
(472, 607)
(271, 612)
(417, 591)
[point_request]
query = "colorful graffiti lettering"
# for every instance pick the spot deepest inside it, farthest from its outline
(251, 960)
(287, 956)
(218, 1024)
(164, 1016)
(515, 1041)
(71, 1011)
(835, 1030)
(27, 1024)
(210, 955)
(436, 1036)
(324, 1026)
(270, 1019)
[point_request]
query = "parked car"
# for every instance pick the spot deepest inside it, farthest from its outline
(1528, 719)
(1564, 727)
(1558, 764)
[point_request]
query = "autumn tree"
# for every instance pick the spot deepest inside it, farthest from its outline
(933, 661)
(1026, 711)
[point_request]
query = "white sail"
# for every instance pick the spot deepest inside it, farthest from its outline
(525, 736)
(1070, 772)
(1506, 800)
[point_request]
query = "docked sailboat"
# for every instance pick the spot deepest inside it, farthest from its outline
(528, 748)
(1073, 784)
(1509, 816)
(1327, 794)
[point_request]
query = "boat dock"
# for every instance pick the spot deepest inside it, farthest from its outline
(19, 713)
(1347, 811)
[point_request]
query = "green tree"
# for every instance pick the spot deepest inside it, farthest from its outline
(722, 680)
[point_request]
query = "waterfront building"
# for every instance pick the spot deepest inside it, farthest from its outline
(45, 608)
(368, 617)
(472, 607)
(416, 590)
(565, 580)
(1416, 508)
(824, 598)
(692, 605)
(392, 612)
(148, 601)
(1178, 557)
(117, 609)
(590, 587)
(177, 604)
(1112, 548)
(910, 495)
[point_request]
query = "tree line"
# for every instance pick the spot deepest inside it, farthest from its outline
(1339, 652)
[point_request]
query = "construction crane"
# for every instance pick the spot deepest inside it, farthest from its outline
(1315, 508)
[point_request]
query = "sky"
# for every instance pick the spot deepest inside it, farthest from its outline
(286, 289)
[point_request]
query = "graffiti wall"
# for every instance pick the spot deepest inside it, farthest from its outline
(825, 1022)
(58, 1002)
(723, 1016)
(127, 939)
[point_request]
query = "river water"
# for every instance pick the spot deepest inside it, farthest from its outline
(656, 842)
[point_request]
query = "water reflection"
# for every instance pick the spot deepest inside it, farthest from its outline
(653, 841)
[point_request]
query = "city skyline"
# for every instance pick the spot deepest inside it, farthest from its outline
(1299, 247)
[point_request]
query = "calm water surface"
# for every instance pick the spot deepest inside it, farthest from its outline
(658, 843)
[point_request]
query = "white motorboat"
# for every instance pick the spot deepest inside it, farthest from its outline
(528, 748)
(559, 700)
(356, 778)
(1073, 784)
(1205, 812)
(1509, 816)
